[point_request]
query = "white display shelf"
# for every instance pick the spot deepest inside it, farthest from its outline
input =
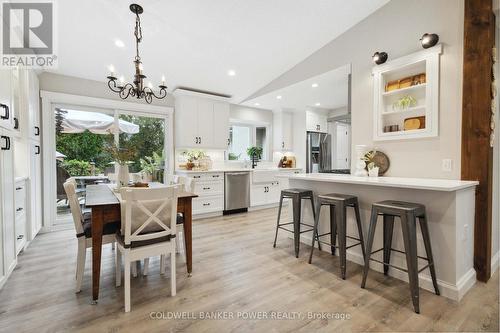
(404, 90)
(426, 94)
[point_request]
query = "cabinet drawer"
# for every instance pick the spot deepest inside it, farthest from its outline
(202, 177)
(208, 204)
(20, 197)
(209, 188)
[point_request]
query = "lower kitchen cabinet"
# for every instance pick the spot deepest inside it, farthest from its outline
(7, 210)
(20, 201)
(265, 193)
(209, 186)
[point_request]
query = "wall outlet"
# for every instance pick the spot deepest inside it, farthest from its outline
(447, 165)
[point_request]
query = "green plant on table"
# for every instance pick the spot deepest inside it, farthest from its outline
(404, 102)
(233, 156)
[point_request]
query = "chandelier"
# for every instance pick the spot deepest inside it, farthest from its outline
(137, 89)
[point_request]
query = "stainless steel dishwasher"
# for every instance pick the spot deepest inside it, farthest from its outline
(236, 192)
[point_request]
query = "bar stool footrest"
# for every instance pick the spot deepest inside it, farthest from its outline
(397, 267)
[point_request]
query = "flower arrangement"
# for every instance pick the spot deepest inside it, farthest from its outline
(121, 155)
(373, 169)
(194, 155)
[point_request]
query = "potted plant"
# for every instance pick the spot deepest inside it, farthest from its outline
(150, 165)
(122, 156)
(255, 154)
(193, 157)
(404, 103)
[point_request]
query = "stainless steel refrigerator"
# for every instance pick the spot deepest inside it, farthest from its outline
(319, 152)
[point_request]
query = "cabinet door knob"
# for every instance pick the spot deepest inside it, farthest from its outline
(6, 115)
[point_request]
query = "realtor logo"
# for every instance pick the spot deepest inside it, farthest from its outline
(28, 34)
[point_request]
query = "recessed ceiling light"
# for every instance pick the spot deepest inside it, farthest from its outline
(278, 97)
(231, 72)
(317, 104)
(257, 104)
(119, 43)
(315, 85)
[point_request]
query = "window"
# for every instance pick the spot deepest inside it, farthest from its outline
(243, 136)
(239, 140)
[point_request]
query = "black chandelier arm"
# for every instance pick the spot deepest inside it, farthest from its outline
(126, 90)
(112, 85)
(150, 92)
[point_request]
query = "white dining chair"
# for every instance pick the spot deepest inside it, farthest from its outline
(148, 229)
(83, 228)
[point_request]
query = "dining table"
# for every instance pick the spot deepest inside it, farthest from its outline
(105, 205)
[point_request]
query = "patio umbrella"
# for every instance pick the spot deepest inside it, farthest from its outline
(99, 123)
(60, 156)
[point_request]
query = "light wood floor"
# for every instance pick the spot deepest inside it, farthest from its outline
(235, 270)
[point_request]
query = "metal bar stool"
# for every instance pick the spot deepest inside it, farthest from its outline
(297, 195)
(408, 213)
(338, 223)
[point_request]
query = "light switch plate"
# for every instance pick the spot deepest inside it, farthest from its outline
(447, 165)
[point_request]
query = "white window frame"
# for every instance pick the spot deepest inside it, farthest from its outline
(253, 126)
(51, 100)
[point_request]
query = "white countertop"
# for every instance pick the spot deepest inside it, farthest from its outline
(235, 170)
(446, 185)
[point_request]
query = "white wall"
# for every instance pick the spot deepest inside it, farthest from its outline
(252, 115)
(77, 86)
(396, 29)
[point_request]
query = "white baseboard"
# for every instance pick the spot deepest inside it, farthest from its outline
(495, 262)
(9, 272)
(446, 289)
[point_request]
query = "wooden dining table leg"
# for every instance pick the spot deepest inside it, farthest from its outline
(188, 234)
(97, 227)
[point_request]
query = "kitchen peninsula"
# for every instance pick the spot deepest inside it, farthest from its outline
(450, 210)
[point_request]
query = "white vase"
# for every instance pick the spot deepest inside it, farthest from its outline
(123, 176)
(360, 164)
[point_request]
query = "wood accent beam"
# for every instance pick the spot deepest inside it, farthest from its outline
(477, 155)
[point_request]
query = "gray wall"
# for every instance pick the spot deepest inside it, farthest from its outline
(396, 29)
(77, 86)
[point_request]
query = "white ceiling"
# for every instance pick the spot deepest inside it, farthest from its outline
(330, 90)
(195, 42)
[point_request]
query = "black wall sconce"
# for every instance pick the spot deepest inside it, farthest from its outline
(379, 57)
(429, 40)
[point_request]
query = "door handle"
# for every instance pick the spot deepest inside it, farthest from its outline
(196, 140)
(283, 144)
(19, 209)
(16, 123)
(200, 139)
(37, 152)
(7, 142)
(7, 111)
(37, 131)
(228, 142)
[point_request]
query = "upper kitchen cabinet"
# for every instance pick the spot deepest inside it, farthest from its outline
(201, 121)
(7, 107)
(282, 129)
(316, 121)
(406, 96)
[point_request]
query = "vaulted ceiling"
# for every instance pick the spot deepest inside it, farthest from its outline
(194, 43)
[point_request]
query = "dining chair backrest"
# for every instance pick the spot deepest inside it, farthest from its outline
(172, 179)
(148, 213)
(188, 183)
(74, 205)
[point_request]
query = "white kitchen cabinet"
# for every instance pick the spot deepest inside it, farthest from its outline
(282, 129)
(20, 201)
(35, 190)
(209, 186)
(264, 194)
(7, 210)
(32, 109)
(316, 122)
(6, 99)
(200, 121)
(221, 125)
